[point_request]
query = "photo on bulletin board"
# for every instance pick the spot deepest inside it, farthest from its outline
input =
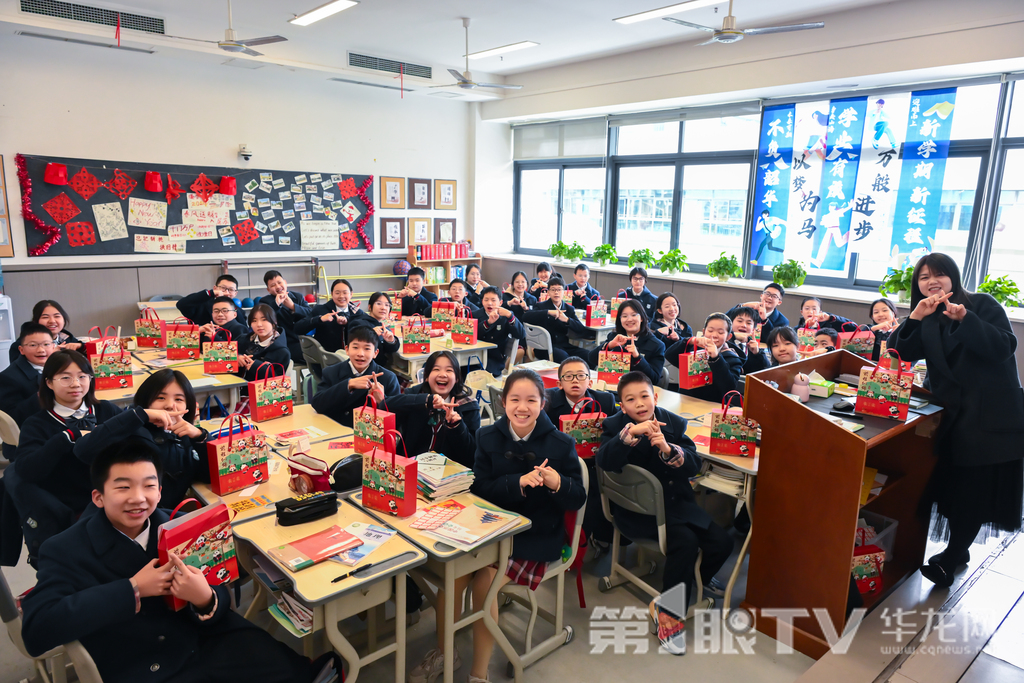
(444, 230)
(419, 193)
(392, 193)
(419, 231)
(392, 233)
(6, 246)
(444, 194)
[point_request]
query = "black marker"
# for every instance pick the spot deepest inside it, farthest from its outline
(354, 572)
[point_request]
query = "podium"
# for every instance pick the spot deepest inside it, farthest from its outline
(808, 499)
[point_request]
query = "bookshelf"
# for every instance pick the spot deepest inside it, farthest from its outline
(437, 287)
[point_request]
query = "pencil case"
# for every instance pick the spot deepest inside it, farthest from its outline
(306, 508)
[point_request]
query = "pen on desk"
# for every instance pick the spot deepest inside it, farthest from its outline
(354, 572)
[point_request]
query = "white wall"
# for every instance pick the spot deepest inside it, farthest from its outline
(491, 167)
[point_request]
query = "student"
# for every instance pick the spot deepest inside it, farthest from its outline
(667, 323)
(767, 308)
(582, 292)
(52, 316)
(826, 339)
(458, 291)
(811, 314)
(968, 344)
(540, 283)
(632, 335)
(289, 307)
(884, 321)
(516, 298)
(496, 326)
(439, 414)
(638, 290)
(377, 318)
(266, 344)
(747, 343)
(19, 383)
(723, 358)
(650, 437)
(477, 285)
(783, 345)
(558, 318)
(163, 414)
(225, 315)
(100, 583)
(198, 307)
(345, 386)
(415, 299)
(328, 321)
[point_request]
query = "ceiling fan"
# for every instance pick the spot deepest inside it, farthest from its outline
(231, 42)
(730, 34)
(465, 79)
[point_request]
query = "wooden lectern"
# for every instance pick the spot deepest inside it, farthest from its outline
(809, 491)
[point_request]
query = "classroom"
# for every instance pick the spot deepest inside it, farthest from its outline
(291, 290)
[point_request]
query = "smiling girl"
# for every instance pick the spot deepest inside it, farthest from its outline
(378, 317)
(667, 322)
(516, 298)
(783, 343)
(884, 322)
(723, 357)
(477, 284)
(266, 344)
(53, 317)
(631, 334)
(331, 319)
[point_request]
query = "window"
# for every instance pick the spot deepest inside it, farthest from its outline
(714, 203)
(975, 117)
(538, 208)
(580, 216)
(583, 206)
(1007, 257)
(649, 138)
(1016, 127)
(721, 134)
(644, 208)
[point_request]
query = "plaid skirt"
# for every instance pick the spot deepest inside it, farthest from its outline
(526, 572)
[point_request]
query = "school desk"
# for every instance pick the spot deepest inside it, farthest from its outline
(596, 337)
(275, 489)
(410, 365)
(322, 427)
(444, 564)
(223, 385)
(165, 310)
(334, 602)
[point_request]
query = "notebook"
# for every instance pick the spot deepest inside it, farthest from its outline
(310, 550)
(473, 526)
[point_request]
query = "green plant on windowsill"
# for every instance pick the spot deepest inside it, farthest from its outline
(605, 254)
(1003, 289)
(899, 282)
(725, 267)
(642, 257)
(575, 253)
(672, 261)
(789, 274)
(558, 250)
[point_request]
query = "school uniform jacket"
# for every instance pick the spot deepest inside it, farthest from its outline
(540, 317)
(681, 327)
(646, 298)
(197, 307)
(725, 371)
(473, 308)
(83, 593)
(287, 318)
(330, 334)
(419, 304)
(19, 388)
(500, 463)
(277, 352)
(652, 355)
(776, 319)
(614, 455)
(413, 416)
(235, 327)
(474, 298)
(364, 319)
(63, 337)
(972, 372)
(498, 334)
(752, 362)
(557, 404)
(529, 299)
(834, 322)
(334, 399)
(880, 336)
(579, 298)
(183, 461)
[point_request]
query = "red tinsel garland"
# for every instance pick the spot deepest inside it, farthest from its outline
(51, 231)
(369, 213)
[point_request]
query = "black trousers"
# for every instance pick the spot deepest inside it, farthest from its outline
(594, 523)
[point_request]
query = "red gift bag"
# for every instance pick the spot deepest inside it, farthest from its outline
(614, 303)
(585, 428)
(369, 425)
(866, 566)
(695, 363)
(238, 457)
(441, 314)
(597, 313)
(220, 357)
(858, 341)
(415, 336)
(885, 392)
(183, 340)
(112, 369)
(270, 396)
(202, 539)
(103, 342)
(150, 330)
(464, 328)
(805, 338)
(389, 479)
(612, 365)
(731, 432)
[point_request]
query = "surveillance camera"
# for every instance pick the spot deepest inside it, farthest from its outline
(244, 152)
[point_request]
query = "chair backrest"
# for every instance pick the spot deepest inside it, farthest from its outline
(578, 528)
(85, 667)
(478, 380)
(9, 431)
(539, 338)
(334, 357)
(497, 409)
(312, 351)
(510, 355)
(663, 380)
(637, 490)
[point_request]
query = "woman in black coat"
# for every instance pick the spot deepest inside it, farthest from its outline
(631, 334)
(969, 346)
(266, 344)
(329, 321)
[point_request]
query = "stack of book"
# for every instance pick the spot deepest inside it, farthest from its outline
(439, 477)
(296, 618)
(724, 479)
(472, 526)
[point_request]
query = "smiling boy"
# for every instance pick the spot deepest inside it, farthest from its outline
(345, 386)
(20, 381)
(767, 308)
(415, 299)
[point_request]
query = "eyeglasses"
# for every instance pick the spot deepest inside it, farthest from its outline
(71, 380)
(228, 290)
(579, 375)
(33, 345)
(637, 278)
(224, 311)
(771, 297)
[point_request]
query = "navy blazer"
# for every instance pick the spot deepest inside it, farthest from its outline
(651, 360)
(19, 394)
(499, 334)
(776, 319)
(681, 327)
(581, 297)
(529, 299)
(63, 337)
(496, 479)
(330, 334)
(197, 307)
(834, 322)
(334, 399)
(413, 417)
(364, 319)
(540, 317)
(277, 352)
(646, 299)
(286, 317)
(419, 304)
(725, 371)
(557, 404)
(235, 327)
(614, 455)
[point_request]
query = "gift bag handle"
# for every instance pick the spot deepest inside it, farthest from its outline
(241, 426)
(393, 434)
(584, 403)
(270, 367)
(175, 322)
(220, 329)
(726, 404)
(855, 326)
(621, 291)
(863, 533)
(182, 504)
(898, 364)
(149, 313)
(371, 397)
(808, 327)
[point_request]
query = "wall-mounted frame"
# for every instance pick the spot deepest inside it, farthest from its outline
(444, 195)
(420, 231)
(392, 233)
(6, 245)
(392, 193)
(444, 230)
(419, 193)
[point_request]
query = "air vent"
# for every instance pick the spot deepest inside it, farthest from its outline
(372, 85)
(92, 15)
(389, 65)
(78, 41)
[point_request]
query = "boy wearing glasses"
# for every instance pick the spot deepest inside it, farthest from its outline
(638, 290)
(767, 309)
(20, 381)
(224, 315)
(198, 307)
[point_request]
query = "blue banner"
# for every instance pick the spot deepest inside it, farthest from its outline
(925, 150)
(771, 198)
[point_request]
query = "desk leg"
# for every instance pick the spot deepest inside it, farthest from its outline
(748, 498)
(339, 642)
(233, 395)
(400, 627)
(449, 622)
(504, 550)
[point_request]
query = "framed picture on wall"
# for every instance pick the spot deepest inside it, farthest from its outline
(6, 245)
(419, 193)
(444, 194)
(419, 231)
(392, 233)
(444, 230)
(392, 193)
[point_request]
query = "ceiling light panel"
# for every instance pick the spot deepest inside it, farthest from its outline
(493, 52)
(665, 11)
(322, 12)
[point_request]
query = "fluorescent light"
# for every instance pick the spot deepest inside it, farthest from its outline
(502, 50)
(665, 11)
(322, 12)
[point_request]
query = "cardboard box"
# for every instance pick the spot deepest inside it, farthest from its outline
(822, 389)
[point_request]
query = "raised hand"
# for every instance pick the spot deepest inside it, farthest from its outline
(929, 305)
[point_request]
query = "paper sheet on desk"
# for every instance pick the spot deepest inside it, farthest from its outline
(204, 382)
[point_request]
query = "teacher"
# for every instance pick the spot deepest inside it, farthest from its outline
(968, 344)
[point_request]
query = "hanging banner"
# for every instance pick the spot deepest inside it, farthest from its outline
(810, 142)
(771, 198)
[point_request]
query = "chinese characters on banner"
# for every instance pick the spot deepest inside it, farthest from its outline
(771, 200)
(805, 203)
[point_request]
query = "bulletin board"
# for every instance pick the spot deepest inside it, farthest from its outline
(81, 207)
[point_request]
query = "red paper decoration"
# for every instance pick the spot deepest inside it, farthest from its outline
(121, 184)
(52, 232)
(153, 182)
(349, 239)
(81, 234)
(61, 208)
(56, 174)
(85, 184)
(204, 187)
(246, 231)
(347, 188)
(369, 212)
(173, 189)
(228, 185)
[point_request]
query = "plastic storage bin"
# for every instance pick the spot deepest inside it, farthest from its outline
(885, 532)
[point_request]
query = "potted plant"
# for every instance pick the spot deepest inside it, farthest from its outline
(1003, 289)
(898, 282)
(605, 254)
(557, 250)
(575, 253)
(672, 261)
(725, 267)
(789, 274)
(641, 257)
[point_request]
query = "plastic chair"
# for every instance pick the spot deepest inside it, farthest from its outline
(510, 355)
(563, 632)
(539, 338)
(477, 380)
(497, 409)
(312, 353)
(663, 381)
(10, 433)
(637, 490)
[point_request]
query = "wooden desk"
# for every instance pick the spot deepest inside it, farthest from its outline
(304, 416)
(333, 602)
(444, 564)
(224, 385)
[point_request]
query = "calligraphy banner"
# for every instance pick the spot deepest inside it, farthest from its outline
(810, 142)
(774, 156)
